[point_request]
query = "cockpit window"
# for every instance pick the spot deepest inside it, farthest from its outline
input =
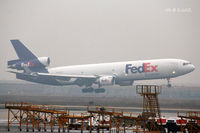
(186, 63)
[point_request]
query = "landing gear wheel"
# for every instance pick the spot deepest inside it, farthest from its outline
(169, 85)
(100, 90)
(88, 90)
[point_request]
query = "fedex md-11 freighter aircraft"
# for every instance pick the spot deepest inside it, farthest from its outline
(34, 69)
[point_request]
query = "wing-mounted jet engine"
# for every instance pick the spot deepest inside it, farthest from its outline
(100, 81)
(106, 81)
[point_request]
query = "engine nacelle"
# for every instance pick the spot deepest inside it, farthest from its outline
(39, 62)
(44, 61)
(106, 80)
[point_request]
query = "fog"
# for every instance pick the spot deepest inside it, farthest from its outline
(176, 97)
(94, 31)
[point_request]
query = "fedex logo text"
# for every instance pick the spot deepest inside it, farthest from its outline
(146, 67)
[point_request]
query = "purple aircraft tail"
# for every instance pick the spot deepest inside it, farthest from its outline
(22, 52)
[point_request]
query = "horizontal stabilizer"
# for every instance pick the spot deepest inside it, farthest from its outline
(11, 62)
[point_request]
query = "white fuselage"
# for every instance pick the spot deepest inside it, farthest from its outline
(131, 70)
(121, 73)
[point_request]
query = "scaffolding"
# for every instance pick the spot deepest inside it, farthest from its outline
(103, 118)
(129, 122)
(68, 121)
(46, 117)
(193, 121)
(151, 107)
(33, 116)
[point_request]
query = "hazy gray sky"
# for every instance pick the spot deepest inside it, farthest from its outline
(94, 31)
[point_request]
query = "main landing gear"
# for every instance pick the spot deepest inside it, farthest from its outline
(100, 90)
(88, 90)
(169, 85)
(91, 90)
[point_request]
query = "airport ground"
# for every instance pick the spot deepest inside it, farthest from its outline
(174, 97)
(77, 109)
(172, 100)
(14, 128)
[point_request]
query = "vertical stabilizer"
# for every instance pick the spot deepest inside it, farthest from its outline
(22, 52)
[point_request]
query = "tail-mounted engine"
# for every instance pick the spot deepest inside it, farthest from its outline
(34, 63)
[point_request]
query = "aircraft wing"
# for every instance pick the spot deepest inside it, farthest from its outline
(67, 75)
(58, 75)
